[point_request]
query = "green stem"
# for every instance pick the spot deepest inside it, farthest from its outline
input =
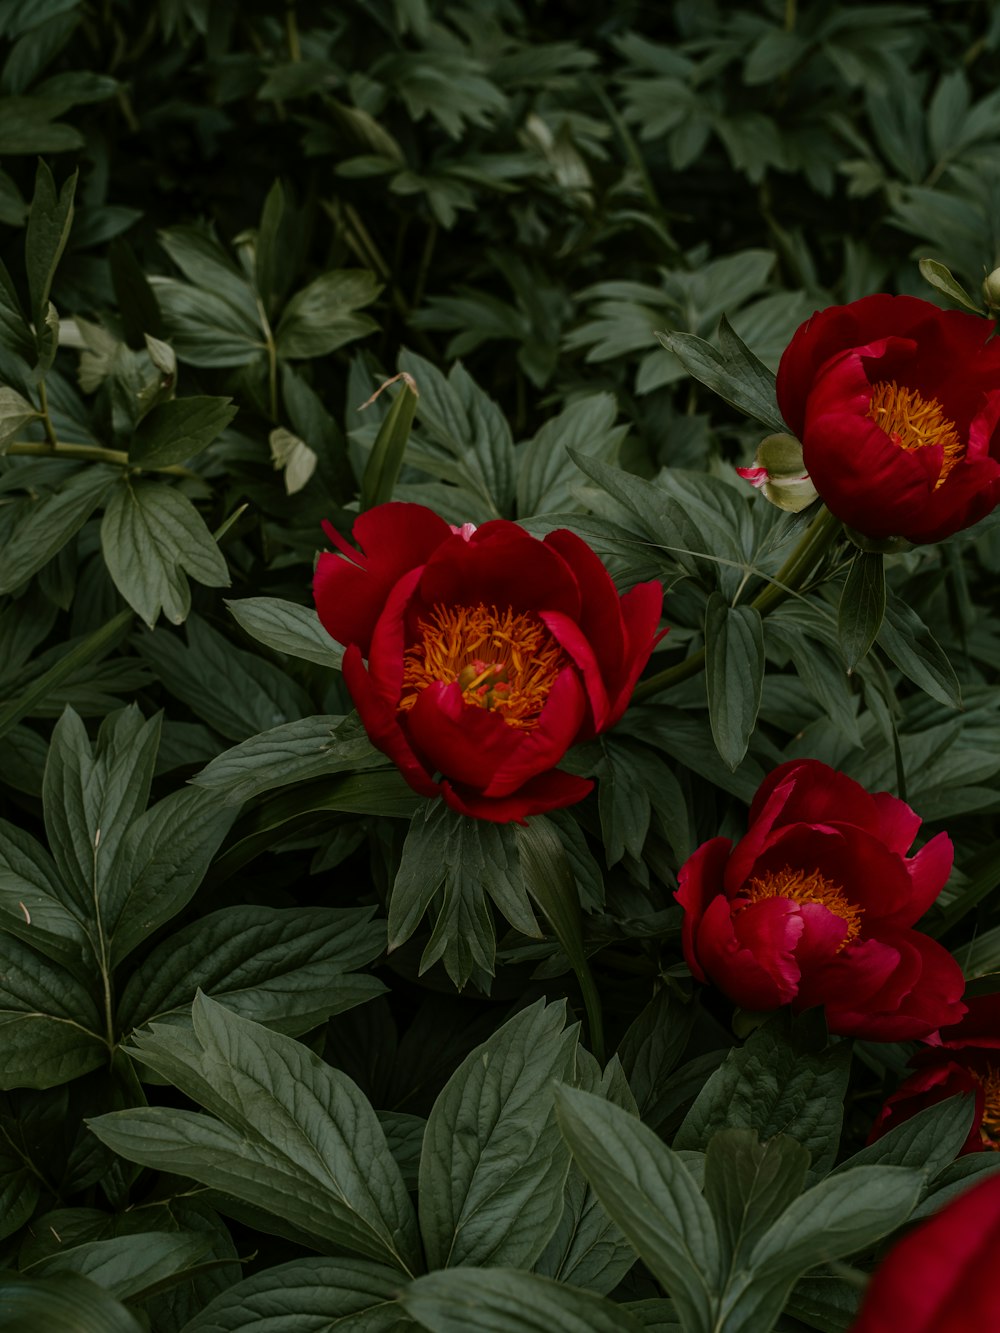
(272, 360)
(292, 32)
(43, 402)
(790, 15)
(788, 580)
(89, 453)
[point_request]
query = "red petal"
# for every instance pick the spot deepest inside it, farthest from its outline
(941, 1277)
(571, 638)
(500, 565)
(463, 743)
(642, 608)
(700, 880)
(600, 618)
(350, 592)
(549, 791)
(921, 993)
(542, 747)
(751, 954)
(381, 721)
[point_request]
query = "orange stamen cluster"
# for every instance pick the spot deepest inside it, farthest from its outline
(913, 422)
(501, 660)
(989, 1129)
(806, 886)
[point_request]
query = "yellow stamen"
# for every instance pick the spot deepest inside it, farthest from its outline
(806, 886)
(989, 1130)
(913, 422)
(501, 660)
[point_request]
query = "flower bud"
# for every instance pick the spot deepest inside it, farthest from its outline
(780, 473)
(991, 290)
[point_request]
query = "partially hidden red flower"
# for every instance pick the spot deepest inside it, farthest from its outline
(897, 406)
(942, 1276)
(490, 652)
(814, 906)
(964, 1057)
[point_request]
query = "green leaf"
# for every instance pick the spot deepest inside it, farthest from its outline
(126, 1266)
(288, 628)
(163, 858)
(909, 643)
(732, 371)
(734, 674)
(269, 259)
(64, 1304)
(748, 1184)
(296, 1138)
(45, 522)
(652, 1047)
(15, 412)
(549, 879)
(649, 1192)
(504, 1300)
(31, 901)
(93, 646)
(862, 606)
(176, 430)
(941, 279)
(493, 1167)
(386, 457)
(306, 1296)
(310, 748)
(236, 692)
(151, 535)
(49, 1023)
(782, 1081)
(457, 864)
(49, 223)
(929, 1140)
(288, 968)
(321, 317)
(205, 329)
(546, 472)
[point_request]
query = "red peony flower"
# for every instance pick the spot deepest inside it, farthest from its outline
(940, 1278)
(814, 906)
(964, 1057)
(489, 652)
(897, 405)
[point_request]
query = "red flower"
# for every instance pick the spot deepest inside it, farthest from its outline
(897, 405)
(941, 1277)
(814, 906)
(964, 1057)
(489, 653)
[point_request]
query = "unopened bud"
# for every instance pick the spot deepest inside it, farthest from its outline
(991, 290)
(779, 473)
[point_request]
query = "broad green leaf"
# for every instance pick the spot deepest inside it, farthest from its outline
(50, 1025)
(151, 536)
(309, 748)
(15, 333)
(295, 1137)
(32, 901)
(909, 643)
(163, 858)
(269, 258)
(493, 1168)
(930, 1140)
(63, 1304)
(505, 1300)
(322, 317)
(176, 430)
(844, 1215)
(15, 412)
(205, 263)
(46, 521)
(652, 1047)
(748, 1184)
(734, 674)
(289, 628)
(308, 1296)
(126, 1266)
(546, 470)
(86, 651)
(236, 692)
(782, 1081)
(649, 1192)
(204, 328)
(19, 1190)
(941, 278)
(862, 606)
(49, 223)
(732, 371)
(289, 968)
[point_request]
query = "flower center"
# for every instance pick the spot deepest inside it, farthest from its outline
(912, 422)
(501, 660)
(989, 1129)
(806, 886)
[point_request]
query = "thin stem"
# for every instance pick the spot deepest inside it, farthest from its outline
(272, 360)
(788, 580)
(790, 15)
(292, 32)
(89, 453)
(43, 402)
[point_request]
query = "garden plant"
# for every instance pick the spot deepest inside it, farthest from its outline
(499, 666)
